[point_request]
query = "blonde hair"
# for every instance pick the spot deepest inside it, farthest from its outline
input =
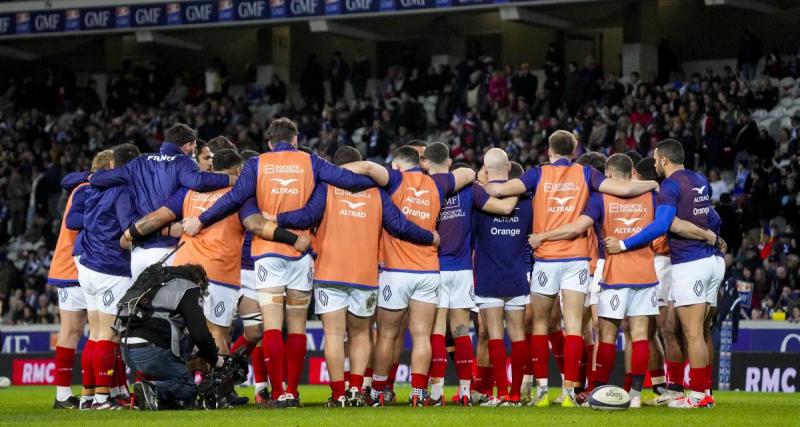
(102, 160)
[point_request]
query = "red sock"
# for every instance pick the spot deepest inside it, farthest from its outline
(606, 354)
(393, 375)
(539, 354)
(675, 372)
(65, 359)
(697, 379)
(120, 370)
(710, 376)
(655, 373)
(627, 381)
(273, 354)
(464, 357)
(483, 382)
(296, 356)
(438, 356)
(529, 363)
(586, 365)
(519, 358)
(259, 365)
(573, 352)
(639, 357)
(104, 359)
(356, 381)
(87, 365)
(337, 389)
(368, 373)
(497, 354)
(419, 381)
(557, 347)
(241, 342)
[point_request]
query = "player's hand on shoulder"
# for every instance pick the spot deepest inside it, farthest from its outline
(302, 243)
(722, 245)
(613, 246)
(192, 226)
(483, 176)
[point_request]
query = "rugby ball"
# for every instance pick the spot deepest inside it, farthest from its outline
(5, 382)
(609, 398)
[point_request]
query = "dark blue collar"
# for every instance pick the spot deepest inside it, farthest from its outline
(498, 180)
(284, 146)
(414, 169)
(561, 162)
(169, 148)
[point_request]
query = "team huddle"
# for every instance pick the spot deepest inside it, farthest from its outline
(557, 258)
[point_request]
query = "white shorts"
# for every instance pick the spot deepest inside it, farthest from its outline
(219, 306)
(71, 298)
(508, 303)
(103, 291)
(627, 302)
(663, 267)
(398, 288)
(692, 282)
(456, 289)
(719, 276)
(550, 277)
(593, 296)
(142, 258)
(274, 272)
(358, 301)
(248, 279)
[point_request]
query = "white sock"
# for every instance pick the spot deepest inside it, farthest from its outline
(635, 393)
(527, 380)
(696, 395)
(542, 383)
(100, 398)
(437, 388)
(367, 382)
(260, 386)
(563, 385)
(63, 393)
(708, 392)
(570, 391)
(463, 387)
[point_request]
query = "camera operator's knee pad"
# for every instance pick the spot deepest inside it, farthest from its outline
(266, 298)
(252, 319)
(298, 302)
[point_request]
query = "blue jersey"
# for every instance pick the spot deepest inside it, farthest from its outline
(108, 213)
(455, 230)
(247, 259)
(153, 178)
(73, 218)
(688, 193)
(502, 260)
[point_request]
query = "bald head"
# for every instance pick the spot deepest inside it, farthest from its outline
(496, 160)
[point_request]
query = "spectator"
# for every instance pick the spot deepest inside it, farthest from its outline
(311, 78)
(338, 72)
(524, 83)
(750, 53)
(718, 185)
(359, 75)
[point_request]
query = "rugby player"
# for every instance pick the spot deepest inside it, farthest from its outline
(203, 156)
(683, 194)
(561, 190)
(154, 178)
(281, 180)
(502, 263)
(409, 281)
(345, 298)
(106, 274)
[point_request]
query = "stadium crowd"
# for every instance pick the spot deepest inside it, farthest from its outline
(51, 126)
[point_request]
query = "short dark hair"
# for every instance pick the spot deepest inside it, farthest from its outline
(226, 159)
(248, 154)
(672, 150)
(417, 143)
(593, 159)
(180, 134)
(516, 170)
(646, 169)
(437, 153)
(407, 154)
(220, 143)
(346, 155)
(635, 156)
(281, 130)
(459, 165)
(620, 163)
(562, 143)
(124, 153)
(199, 145)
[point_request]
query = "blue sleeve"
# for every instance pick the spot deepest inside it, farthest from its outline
(595, 209)
(594, 178)
(669, 193)
(446, 183)
(110, 177)
(249, 208)
(325, 171)
(74, 217)
(531, 179)
(395, 178)
(664, 216)
(175, 202)
(126, 215)
(191, 177)
(399, 226)
(714, 221)
(310, 214)
(72, 180)
(479, 196)
(244, 189)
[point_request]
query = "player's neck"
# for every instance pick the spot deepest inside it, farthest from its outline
(433, 168)
(670, 169)
(554, 158)
(407, 167)
(497, 176)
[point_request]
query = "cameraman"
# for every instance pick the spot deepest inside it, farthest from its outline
(153, 345)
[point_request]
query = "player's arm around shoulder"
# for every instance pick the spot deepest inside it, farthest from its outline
(378, 173)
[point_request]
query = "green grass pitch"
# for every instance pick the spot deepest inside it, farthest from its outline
(31, 405)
